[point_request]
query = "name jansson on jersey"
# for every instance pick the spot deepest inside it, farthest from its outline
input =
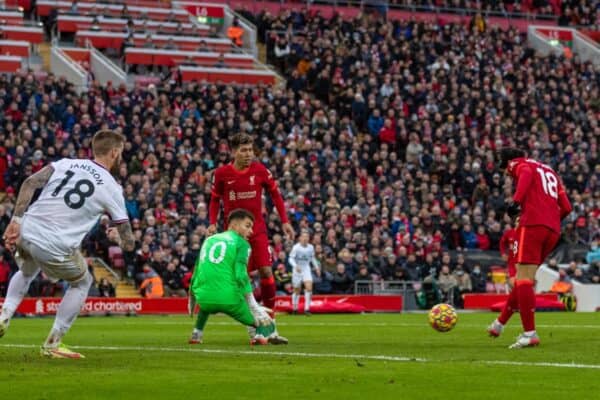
(92, 171)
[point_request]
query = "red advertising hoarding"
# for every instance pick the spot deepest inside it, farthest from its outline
(103, 305)
(343, 304)
(178, 305)
(487, 300)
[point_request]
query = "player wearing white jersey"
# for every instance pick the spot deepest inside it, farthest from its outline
(48, 233)
(301, 256)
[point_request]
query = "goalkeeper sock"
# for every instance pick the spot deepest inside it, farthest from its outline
(526, 300)
(512, 305)
(69, 309)
(17, 288)
(295, 301)
(266, 331)
(201, 320)
(267, 290)
(307, 299)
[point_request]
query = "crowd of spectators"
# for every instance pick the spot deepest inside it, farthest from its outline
(568, 12)
(382, 142)
(585, 10)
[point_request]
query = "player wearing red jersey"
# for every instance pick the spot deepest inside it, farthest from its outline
(240, 185)
(543, 203)
(508, 250)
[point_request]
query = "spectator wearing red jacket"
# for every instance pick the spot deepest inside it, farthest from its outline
(483, 240)
(387, 133)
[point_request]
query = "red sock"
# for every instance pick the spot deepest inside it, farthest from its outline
(512, 305)
(526, 299)
(267, 290)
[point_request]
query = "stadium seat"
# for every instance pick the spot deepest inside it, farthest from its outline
(31, 34)
(114, 40)
(14, 48)
(11, 17)
(174, 57)
(73, 23)
(227, 75)
(115, 256)
(10, 64)
(114, 10)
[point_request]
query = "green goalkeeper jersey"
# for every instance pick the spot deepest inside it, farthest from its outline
(220, 276)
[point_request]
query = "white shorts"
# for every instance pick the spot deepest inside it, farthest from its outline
(31, 258)
(298, 277)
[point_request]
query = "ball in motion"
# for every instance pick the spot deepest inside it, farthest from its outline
(442, 317)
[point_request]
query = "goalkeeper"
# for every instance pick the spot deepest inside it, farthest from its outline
(220, 282)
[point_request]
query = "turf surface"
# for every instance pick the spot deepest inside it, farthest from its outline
(330, 356)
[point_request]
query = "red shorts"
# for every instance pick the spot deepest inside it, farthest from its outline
(260, 256)
(534, 244)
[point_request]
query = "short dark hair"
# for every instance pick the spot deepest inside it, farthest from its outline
(105, 140)
(240, 139)
(508, 153)
(239, 213)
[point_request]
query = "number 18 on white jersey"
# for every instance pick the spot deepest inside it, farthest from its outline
(77, 194)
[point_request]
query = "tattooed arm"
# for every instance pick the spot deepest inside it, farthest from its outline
(28, 188)
(125, 240)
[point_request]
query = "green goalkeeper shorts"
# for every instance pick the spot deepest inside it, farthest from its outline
(240, 311)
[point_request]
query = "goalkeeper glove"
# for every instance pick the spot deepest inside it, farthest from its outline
(260, 314)
(262, 318)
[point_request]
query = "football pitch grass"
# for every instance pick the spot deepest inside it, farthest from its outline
(371, 356)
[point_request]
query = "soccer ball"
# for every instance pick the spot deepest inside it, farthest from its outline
(442, 317)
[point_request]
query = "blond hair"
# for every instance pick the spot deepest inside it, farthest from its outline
(105, 140)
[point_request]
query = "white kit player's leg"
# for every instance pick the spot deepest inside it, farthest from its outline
(18, 286)
(307, 300)
(68, 310)
(307, 281)
(295, 301)
(17, 289)
(297, 287)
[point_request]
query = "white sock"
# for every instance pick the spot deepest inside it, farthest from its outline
(295, 301)
(530, 333)
(498, 322)
(17, 289)
(307, 299)
(69, 309)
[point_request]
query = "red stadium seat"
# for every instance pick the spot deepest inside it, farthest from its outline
(174, 57)
(14, 48)
(10, 64)
(227, 75)
(114, 10)
(115, 255)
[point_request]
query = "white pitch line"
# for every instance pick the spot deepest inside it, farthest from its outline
(400, 324)
(235, 352)
(362, 357)
(540, 364)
